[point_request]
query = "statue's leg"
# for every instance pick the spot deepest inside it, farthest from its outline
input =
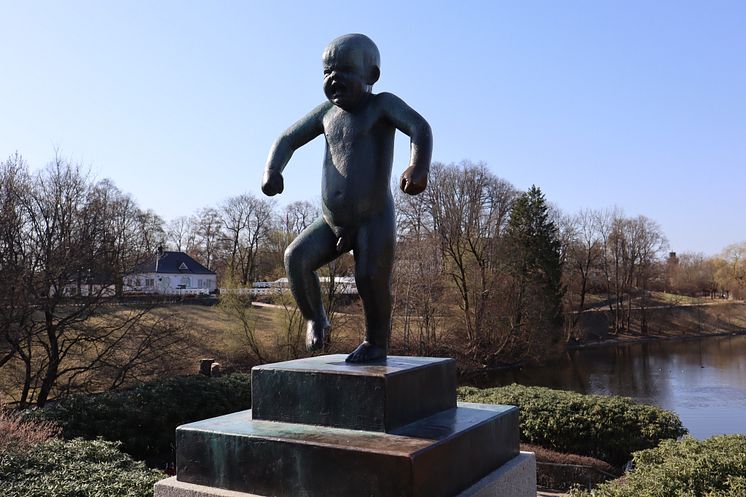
(374, 259)
(313, 248)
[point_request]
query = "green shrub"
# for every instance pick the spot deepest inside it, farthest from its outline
(79, 468)
(145, 418)
(606, 427)
(715, 467)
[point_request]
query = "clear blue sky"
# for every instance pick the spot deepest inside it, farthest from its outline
(638, 104)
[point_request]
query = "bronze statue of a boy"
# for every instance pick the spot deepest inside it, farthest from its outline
(357, 205)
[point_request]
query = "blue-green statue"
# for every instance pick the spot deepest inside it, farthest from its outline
(357, 206)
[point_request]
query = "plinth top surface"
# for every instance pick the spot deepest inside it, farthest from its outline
(404, 442)
(335, 364)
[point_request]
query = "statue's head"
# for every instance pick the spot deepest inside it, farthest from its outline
(351, 67)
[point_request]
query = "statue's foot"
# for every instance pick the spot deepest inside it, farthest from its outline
(367, 352)
(317, 335)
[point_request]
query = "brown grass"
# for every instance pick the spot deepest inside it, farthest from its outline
(208, 332)
(560, 471)
(212, 333)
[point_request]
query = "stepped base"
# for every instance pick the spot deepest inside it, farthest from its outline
(438, 456)
(374, 396)
(515, 478)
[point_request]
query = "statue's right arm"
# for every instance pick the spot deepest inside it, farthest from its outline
(306, 129)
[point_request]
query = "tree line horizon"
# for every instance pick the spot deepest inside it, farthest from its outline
(484, 272)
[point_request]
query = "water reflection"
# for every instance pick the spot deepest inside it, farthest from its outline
(703, 380)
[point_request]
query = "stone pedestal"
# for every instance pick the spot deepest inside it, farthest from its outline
(320, 427)
(327, 391)
(515, 478)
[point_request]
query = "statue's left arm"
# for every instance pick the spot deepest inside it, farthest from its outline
(409, 122)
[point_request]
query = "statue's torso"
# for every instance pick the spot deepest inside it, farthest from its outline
(357, 164)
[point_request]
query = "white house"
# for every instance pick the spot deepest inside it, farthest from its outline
(171, 273)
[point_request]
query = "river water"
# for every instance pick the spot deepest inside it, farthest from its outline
(703, 380)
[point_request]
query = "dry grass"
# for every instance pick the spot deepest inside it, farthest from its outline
(210, 332)
(196, 332)
(207, 332)
(560, 471)
(213, 333)
(664, 298)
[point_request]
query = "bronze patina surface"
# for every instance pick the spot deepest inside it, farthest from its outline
(435, 457)
(356, 202)
(375, 396)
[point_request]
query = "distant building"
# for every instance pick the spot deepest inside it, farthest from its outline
(171, 273)
(344, 285)
(88, 284)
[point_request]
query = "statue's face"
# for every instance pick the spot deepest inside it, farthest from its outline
(345, 76)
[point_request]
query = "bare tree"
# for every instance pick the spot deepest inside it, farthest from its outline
(648, 242)
(237, 305)
(247, 222)
(298, 216)
(692, 274)
(470, 208)
(631, 249)
(731, 273)
(583, 252)
(151, 229)
(115, 217)
(610, 225)
(418, 275)
(208, 235)
(17, 330)
(287, 224)
(181, 233)
(61, 232)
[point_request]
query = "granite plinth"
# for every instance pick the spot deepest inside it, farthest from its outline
(515, 478)
(378, 396)
(438, 456)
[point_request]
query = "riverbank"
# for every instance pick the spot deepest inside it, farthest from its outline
(665, 323)
(670, 322)
(622, 339)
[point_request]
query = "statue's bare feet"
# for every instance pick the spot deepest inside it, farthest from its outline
(367, 352)
(317, 334)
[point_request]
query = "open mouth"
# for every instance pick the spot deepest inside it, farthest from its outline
(338, 90)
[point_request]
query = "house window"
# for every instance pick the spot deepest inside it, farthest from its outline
(186, 282)
(183, 267)
(149, 282)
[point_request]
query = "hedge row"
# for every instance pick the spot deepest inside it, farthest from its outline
(79, 468)
(610, 428)
(715, 467)
(144, 418)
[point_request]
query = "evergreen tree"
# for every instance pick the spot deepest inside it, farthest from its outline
(534, 262)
